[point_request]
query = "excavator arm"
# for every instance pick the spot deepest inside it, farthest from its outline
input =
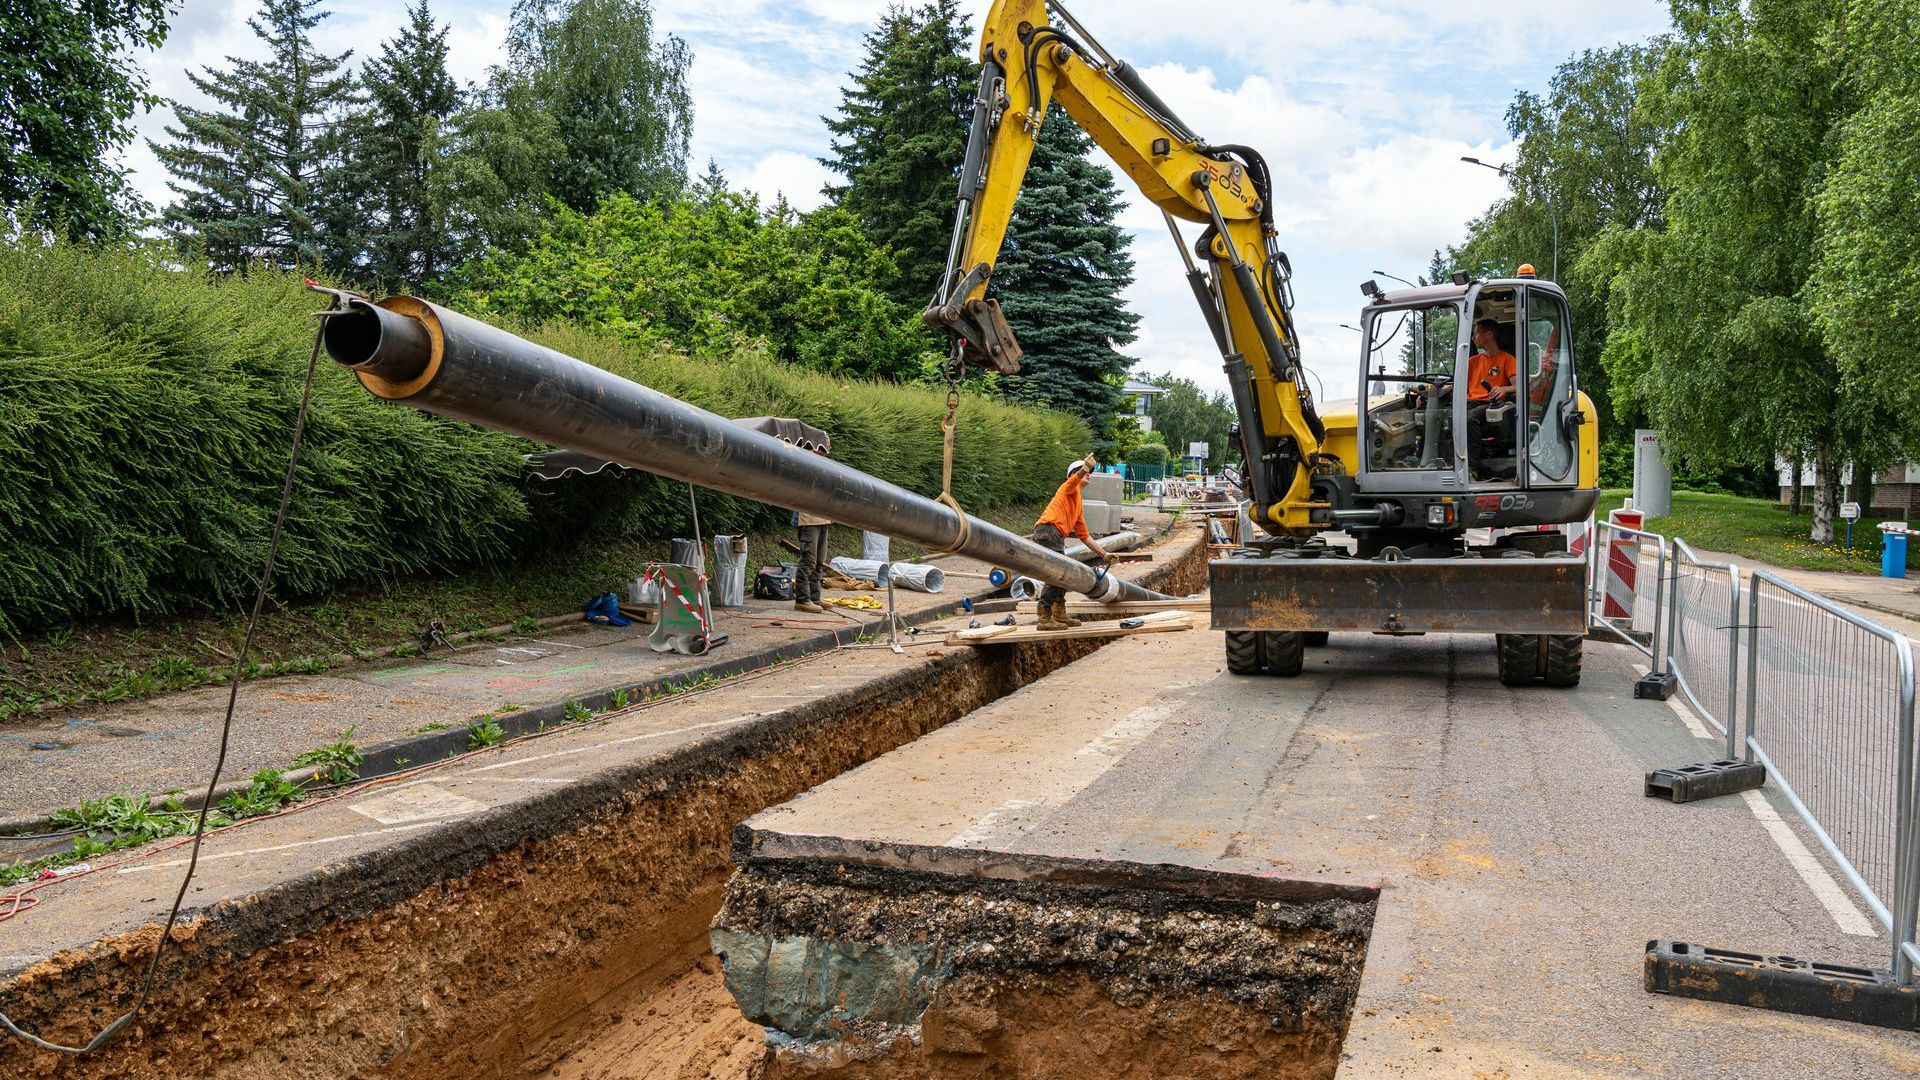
(1033, 53)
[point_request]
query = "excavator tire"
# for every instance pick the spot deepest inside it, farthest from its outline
(1520, 660)
(1243, 652)
(1563, 660)
(1283, 652)
(1315, 638)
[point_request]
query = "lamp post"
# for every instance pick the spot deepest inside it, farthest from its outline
(1552, 213)
(1397, 278)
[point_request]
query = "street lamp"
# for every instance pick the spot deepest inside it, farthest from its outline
(1350, 326)
(1397, 278)
(1506, 171)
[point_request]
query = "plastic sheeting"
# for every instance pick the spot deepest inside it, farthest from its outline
(729, 581)
(873, 546)
(918, 577)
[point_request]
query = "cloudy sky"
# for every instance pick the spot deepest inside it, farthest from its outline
(1362, 109)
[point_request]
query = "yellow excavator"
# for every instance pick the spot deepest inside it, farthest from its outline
(1425, 505)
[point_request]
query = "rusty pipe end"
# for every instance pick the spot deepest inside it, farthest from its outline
(376, 341)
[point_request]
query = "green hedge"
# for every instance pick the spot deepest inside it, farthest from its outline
(145, 414)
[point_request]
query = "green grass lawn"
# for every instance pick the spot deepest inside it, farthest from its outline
(1762, 530)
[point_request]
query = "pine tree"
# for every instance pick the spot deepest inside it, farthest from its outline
(401, 142)
(1060, 276)
(899, 135)
(252, 173)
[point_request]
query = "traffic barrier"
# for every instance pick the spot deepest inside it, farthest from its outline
(1613, 577)
(1623, 563)
(1703, 639)
(1830, 713)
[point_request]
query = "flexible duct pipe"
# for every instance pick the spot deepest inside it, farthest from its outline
(407, 350)
(917, 577)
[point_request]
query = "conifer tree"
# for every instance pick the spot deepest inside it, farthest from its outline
(252, 172)
(899, 135)
(1060, 276)
(391, 227)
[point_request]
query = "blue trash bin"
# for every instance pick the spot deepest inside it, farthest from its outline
(1893, 554)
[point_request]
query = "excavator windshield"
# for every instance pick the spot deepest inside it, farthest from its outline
(1410, 350)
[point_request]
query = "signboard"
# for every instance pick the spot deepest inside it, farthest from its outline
(1850, 511)
(1196, 449)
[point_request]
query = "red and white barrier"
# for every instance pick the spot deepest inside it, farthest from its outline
(1623, 565)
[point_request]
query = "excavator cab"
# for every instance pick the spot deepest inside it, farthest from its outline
(1472, 418)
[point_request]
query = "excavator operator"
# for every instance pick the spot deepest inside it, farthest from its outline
(1490, 375)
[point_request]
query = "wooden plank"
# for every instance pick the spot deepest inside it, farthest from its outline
(1158, 623)
(1122, 610)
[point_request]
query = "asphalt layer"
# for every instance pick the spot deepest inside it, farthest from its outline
(168, 743)
(1522, 870)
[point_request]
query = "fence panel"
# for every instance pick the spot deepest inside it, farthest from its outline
(1616, 562)
(1703, 638)
(1829, 712)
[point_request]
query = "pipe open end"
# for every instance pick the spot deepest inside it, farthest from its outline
(378, 342)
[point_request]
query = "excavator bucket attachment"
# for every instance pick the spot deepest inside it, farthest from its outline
(985, 338)
(1486, 596)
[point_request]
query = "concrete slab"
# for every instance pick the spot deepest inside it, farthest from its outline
(1521, 869)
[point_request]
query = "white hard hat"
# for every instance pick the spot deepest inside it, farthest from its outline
(1078, 464)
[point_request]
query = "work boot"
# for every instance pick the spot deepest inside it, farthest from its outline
(1060, 615)
(1048, 622)
(809, 607)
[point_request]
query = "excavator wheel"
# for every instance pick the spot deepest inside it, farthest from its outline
(1563, 660)
(1243, 652)
(1283, 652)
(1315, 638)
(1520, 661)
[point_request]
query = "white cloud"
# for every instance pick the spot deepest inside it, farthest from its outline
(1362, 110)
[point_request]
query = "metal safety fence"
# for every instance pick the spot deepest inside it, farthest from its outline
(1703, 639)
(1616, 604)
(1830, 713)
(1820, 696)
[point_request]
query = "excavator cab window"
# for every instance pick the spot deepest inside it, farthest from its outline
(1492, 402)
(1411, 426)
(1549, 370)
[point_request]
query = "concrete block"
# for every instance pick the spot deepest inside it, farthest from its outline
(1102, 517)
(1107, 487)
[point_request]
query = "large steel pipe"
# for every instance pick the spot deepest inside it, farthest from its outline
(407, 350)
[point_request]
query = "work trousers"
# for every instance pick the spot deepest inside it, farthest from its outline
(813, 552)
(1051, 538)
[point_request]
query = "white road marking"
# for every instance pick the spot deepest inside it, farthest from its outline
(1825, 889)
(978, 832)
(614, 742)
(277, 847)
(1680, 707)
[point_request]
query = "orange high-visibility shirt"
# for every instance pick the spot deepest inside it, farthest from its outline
(1497, 369)
(1066, 511)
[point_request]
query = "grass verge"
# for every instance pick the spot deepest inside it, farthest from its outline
(1763, 531)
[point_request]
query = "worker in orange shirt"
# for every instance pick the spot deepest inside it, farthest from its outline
(1065, 515)
(1490, 375)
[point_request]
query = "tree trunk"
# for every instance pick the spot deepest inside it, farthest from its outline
(1861, 490)
(1826, 496)
(1793, 507)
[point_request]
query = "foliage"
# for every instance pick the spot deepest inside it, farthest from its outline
(899, 135)
(268, 793)
(1184, 415)
(484, 733)
(614, 92)
(68, 92)
(393, 225)
(256, 173)
(339, 760)
(156, 408)
(577, 713)
(700, 272)
(1059, 278)
(127, 817)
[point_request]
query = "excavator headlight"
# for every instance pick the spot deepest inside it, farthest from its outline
(1439, 514)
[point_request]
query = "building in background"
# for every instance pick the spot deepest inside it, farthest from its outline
(1143, 394)
(1895, 489)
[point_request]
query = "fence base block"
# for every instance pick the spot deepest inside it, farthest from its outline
(1689, 783)
(1658, 686)
(1782, 983)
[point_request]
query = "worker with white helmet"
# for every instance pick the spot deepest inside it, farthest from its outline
(1064, 516)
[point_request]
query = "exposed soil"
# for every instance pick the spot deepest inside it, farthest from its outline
(496, 971)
